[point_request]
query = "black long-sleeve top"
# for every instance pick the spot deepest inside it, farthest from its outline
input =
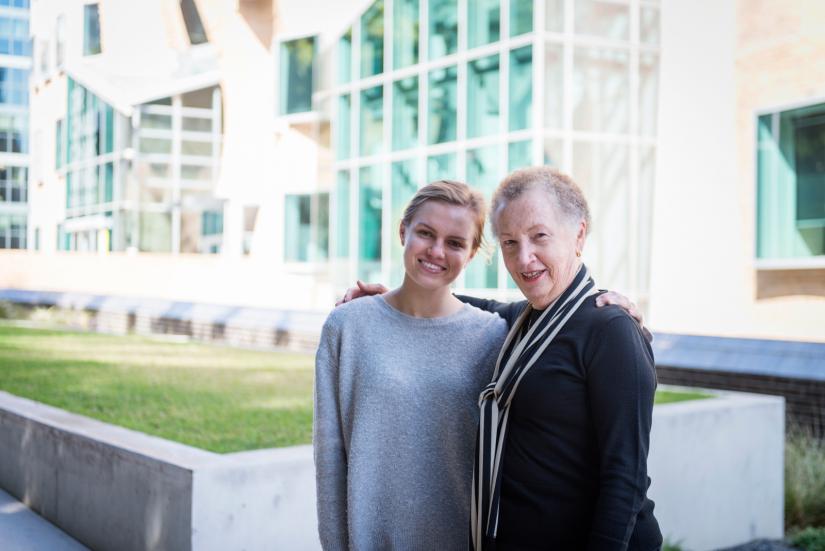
(575, 457)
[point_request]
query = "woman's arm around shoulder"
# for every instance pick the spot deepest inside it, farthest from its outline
(621, 384)
(328, 442)
(507, 310)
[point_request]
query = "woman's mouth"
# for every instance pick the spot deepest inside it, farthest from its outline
(430, 267)
(532, 276)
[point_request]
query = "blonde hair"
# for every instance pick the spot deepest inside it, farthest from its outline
(561, 187)
(455, 193)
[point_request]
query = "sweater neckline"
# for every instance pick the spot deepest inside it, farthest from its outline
(393, 312)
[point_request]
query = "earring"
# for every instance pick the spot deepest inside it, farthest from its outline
(578, 253)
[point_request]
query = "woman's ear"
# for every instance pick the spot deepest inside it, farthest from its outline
(402, 232)
(581, 235)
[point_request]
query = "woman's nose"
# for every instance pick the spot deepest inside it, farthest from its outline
(437, 249)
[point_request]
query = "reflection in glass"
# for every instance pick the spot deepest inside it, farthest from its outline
(320, 249)
(404, 186)
(372, 40)
(521, 17)
(369, 223)
(483, 172)
(405, 33)
(601, 170)
(553, 85)
(648, 87)
(442, 105)
(554, 15)
(372, 120)
(482, 97)
(600, 90)
(519, 155)
(342, 201)
(345, 57)
(342, 127)
(405, 113)
(483, 22)
(521, 88)
(441, 167)
(604, 18)
(443, 26)
(296, 75)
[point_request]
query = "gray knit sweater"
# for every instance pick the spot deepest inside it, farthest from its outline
(396, 407)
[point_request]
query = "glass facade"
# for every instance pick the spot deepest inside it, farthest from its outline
(790, 216)
(14, 36)
(462, 86)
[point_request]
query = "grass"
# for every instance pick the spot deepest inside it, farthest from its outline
(804, 481)
(215, 398)
(673, 396)
(212, 397)
(809, 539)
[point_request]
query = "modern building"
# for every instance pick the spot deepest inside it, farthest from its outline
(128, 150)
(286, 136)
(15, 66)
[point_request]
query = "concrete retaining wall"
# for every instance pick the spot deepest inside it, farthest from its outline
(716, 465)
(113, 488)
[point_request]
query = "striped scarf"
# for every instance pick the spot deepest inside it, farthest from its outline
(497, 396)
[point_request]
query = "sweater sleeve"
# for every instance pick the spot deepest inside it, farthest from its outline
(507, 310)
(328, 442)
(621, 383)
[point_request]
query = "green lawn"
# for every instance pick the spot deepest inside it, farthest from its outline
(216, 398)
(213, 397)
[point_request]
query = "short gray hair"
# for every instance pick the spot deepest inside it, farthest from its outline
(561, 187)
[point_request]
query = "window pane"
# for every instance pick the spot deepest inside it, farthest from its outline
(151, 120)
(321, 245)
(649, 25)
(404, 186)
(200, 149)
(483, 22)
(601, 170)
(521, 88)
(155, 232)
(521, 16)
(482, 97)
(342, 201)
(372, 40)
(441, 167)
(405, 31)
(405, 113)
(648, 88)
(297, 228)
(553, 152)
(196, 124)
(296, 75)
(369, 223)
(342, 127)
(809, 161)
(155, 145)
(442, 105)
(91, 29)
(372, 121)
(345, 58)
(600, 90)
(520, 155)
(192, 21)
(443, 27)
(483, 172)
(605, 18)
(553, 85)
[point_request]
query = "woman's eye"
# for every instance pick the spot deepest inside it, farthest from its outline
(541, 236)
(424, 233)
(508, 243)
(456, 244)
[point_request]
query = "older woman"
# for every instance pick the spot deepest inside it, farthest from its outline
(564, 432)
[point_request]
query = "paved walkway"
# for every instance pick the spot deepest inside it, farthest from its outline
(21, 529)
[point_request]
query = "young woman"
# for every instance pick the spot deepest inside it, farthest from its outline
(396, 389)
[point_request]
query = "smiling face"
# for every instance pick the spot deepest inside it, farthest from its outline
(539, 245)
(438, 243)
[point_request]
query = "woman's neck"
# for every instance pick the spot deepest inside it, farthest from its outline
(418, 302)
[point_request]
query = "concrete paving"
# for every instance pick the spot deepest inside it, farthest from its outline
(21, 529)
